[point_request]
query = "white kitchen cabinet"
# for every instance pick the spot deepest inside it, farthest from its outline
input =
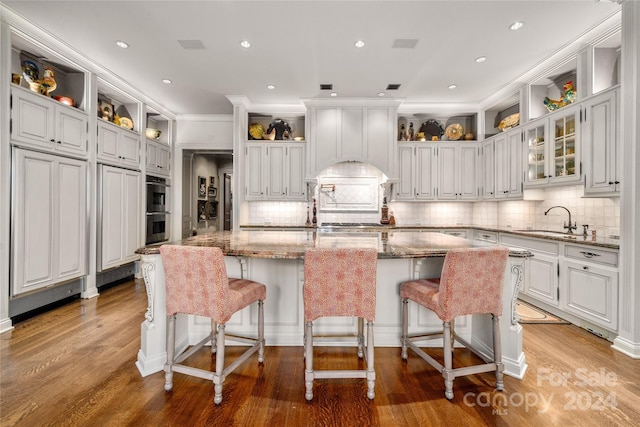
(457, 171)
(552, 144)
(117, 145)
(120, 216)
(158, 158)
(488, 169)
(591, 293)
(543, 279)
(359, 133)
(275, 171)
(600, 145)
(591, 284)
(417, 172)
(564, 145)
(48, 233)
(565, 278)
(536, 142)
(41, 122)
(508, 149)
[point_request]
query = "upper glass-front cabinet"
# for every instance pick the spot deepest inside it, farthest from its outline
(535, 140)
(565, 127)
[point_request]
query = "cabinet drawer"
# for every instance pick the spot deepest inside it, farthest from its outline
(486, 236)
(587, 253)
(539, 245)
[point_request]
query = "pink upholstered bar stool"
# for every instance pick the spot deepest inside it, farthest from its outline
(196, 283)
(471, 283)
(340, 282)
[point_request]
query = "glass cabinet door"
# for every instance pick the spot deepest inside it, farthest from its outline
(564, 145)
(535, 138)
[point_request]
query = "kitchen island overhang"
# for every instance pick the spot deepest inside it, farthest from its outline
(276, 258)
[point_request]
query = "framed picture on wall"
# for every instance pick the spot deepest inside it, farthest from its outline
(203, 211)
(213, 192)
(202, 186)
(212, 181)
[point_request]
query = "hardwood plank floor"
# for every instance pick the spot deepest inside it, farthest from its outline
(74, 366)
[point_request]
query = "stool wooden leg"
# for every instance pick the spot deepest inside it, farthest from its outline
(497, 352)
(308, 372)
(214, 335)
(218, 376)
(171, 350)
(405, 327)
(360, 337)
(261, 331)
(448, 362)
(371, 373)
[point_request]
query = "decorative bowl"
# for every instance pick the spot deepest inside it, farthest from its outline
(153, 133)
(65, 100)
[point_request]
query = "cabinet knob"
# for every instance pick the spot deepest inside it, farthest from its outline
(584, 267)
(616, 182)
(52, 140)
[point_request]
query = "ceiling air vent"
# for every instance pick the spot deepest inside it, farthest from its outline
(326, 87)
(393, 86)
(191, 44)
(404, 43)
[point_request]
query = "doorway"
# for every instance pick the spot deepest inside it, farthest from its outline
(227, 203)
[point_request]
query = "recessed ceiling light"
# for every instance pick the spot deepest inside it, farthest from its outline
(245, 44)
(359, 43)
(122, 44)
(481, 59)
(453, 86)
(516, 25)
(271, 87)
(167, 81)
(380, 93)
(334, 93)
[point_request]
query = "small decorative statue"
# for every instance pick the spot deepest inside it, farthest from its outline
(282, 128)
(46, 85)
(568, 97)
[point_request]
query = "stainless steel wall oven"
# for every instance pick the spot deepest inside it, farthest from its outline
(157, 209)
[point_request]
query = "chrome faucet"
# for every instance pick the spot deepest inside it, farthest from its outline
(569, 227)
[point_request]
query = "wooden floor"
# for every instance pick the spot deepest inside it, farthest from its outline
(74, 365)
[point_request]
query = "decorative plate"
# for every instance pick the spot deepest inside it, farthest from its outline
(454, 131)
(256, 130)
(126, 122)
(431, 128)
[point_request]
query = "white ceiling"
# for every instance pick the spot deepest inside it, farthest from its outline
(298, 45)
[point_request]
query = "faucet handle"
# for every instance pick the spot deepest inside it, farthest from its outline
(585, 229)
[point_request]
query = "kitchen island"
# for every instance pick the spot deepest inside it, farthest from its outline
(276, 258)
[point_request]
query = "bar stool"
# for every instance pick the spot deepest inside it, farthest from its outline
(196, 283)
(471, 283)
(340, 282)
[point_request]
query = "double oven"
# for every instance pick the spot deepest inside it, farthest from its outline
(157, 209)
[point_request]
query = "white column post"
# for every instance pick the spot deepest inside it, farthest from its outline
(628, 339)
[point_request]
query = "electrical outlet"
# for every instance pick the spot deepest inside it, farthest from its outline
(508, 224)
(267, 221)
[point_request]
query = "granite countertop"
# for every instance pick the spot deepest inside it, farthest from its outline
(559, 236)
(292, 244)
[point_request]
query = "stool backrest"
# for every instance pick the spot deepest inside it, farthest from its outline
(340, 282)
(196, 280)
(472, 281)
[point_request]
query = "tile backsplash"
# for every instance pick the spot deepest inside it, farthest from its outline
(601, 214)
